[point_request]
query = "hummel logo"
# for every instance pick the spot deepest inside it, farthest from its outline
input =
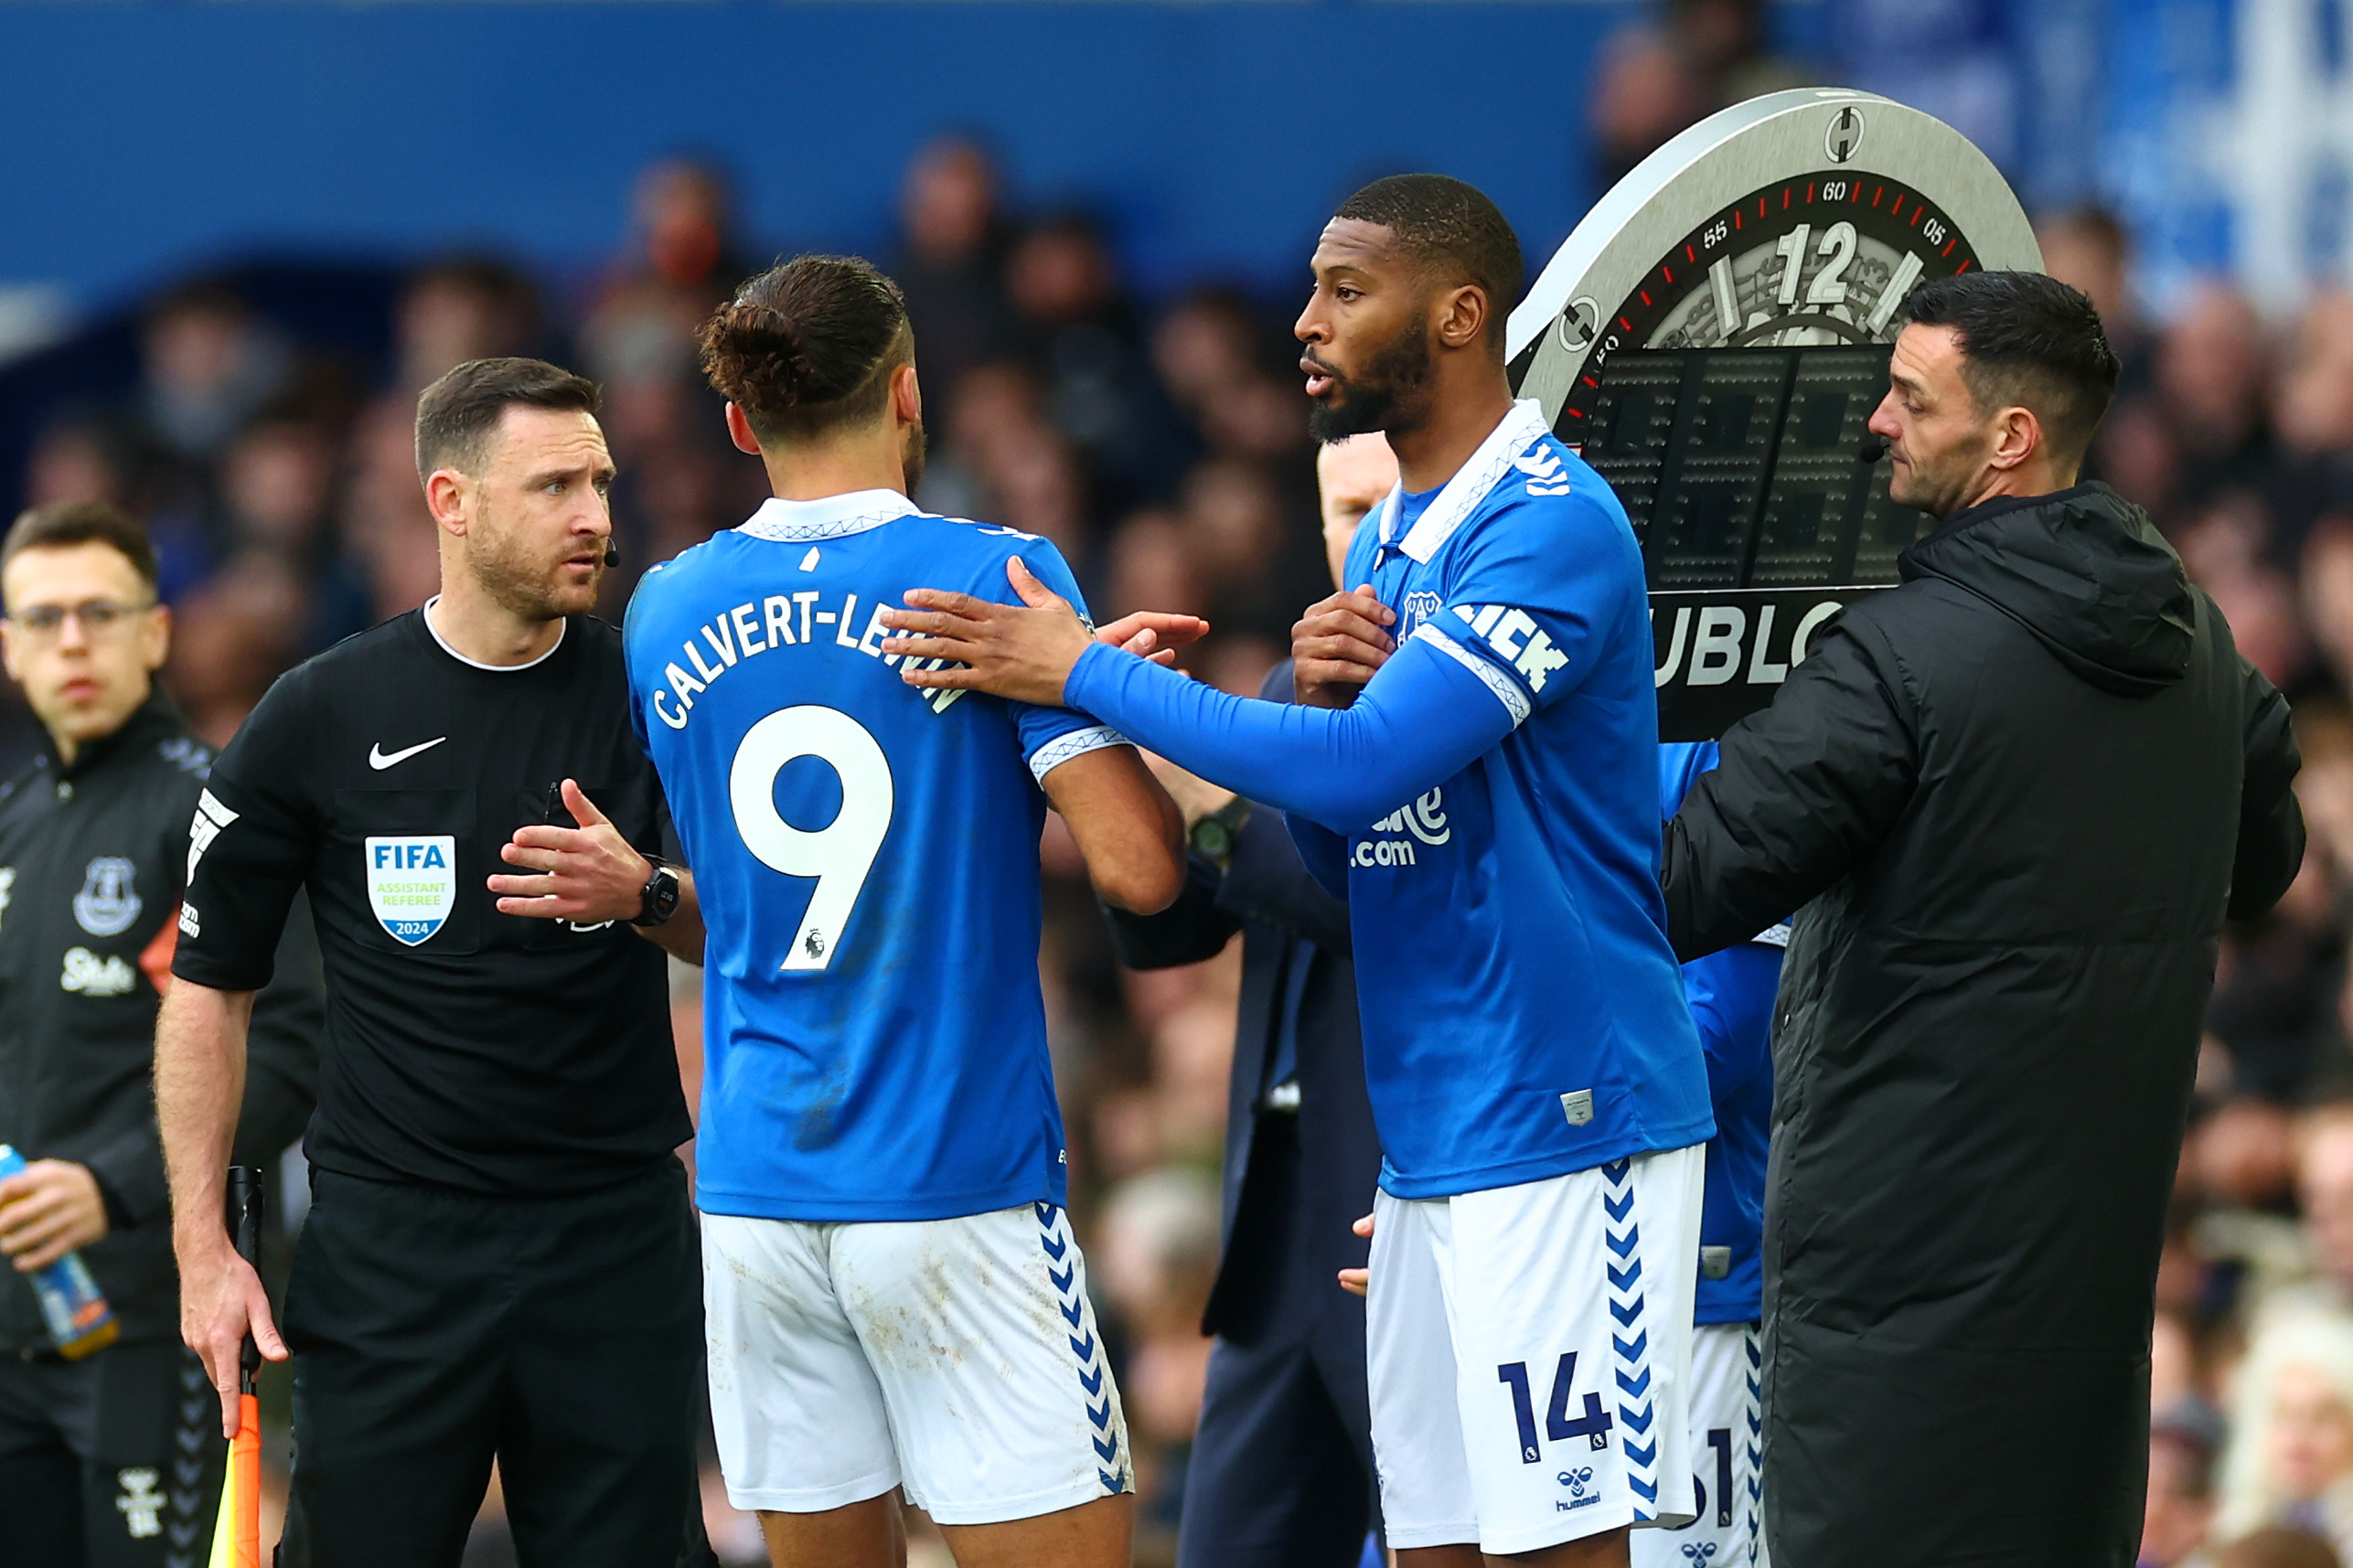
(379, 759)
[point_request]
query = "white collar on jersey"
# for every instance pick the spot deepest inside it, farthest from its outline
(494, 668)
(1511, 436)
(828, 516)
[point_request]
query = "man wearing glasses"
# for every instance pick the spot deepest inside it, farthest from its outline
(110, 1459)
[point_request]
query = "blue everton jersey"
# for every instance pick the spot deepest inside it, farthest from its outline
(866, 856)
(1521, 1013)
(1731, 995)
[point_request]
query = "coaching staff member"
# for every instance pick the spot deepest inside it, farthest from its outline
(500, 1258)
(109, 1460)
(2016, 798)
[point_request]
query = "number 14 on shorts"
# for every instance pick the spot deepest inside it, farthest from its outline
(1594, 1424)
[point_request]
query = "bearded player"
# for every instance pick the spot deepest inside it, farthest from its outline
(1482, 787)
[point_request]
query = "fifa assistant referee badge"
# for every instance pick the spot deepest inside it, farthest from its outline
(658, 899)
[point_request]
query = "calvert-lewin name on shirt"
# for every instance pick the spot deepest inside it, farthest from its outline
(779, 621)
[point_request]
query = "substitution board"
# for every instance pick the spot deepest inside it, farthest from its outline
(1713, 339)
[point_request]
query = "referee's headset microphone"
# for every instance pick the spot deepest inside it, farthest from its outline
(612, 553)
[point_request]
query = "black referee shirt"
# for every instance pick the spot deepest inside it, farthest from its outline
(465, 1048)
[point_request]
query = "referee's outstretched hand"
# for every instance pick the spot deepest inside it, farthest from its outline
(589, 874)
(221, 1301)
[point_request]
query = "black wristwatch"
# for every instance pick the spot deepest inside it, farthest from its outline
(658, 899)
(1213, 837)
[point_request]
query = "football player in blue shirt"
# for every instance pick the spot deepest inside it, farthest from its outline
(1731, 996)
(1488, 804)
(895, 1299)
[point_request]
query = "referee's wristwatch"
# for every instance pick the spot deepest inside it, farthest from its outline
(658, 899)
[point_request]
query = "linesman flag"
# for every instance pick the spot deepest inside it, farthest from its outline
(237, 1529)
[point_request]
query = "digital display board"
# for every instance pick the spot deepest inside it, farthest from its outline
(1713, 339)
(1751, 467)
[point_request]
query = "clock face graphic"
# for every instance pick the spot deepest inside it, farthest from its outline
(1816, 260)
(1713, 340)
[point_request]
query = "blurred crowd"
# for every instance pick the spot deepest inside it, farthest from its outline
(1162, 445)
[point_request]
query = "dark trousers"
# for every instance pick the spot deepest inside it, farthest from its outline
(1281, 1470)
(1281, 1474)
(111, 1462)
(433, 1331)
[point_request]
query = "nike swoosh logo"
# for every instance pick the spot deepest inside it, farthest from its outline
(379, 761)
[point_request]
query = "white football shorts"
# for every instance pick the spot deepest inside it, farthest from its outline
(1727, 1440)
(1529, 1349)
(958, 1359)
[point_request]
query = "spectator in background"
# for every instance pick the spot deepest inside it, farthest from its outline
(683, 234)
(2290, 1460)
(466, 307)
(2211, 367)
(1659, 77)
(677, 486)
(85, 454)
(208, 365)
(2179, 1516)
(1156, 1266)
(2313, 411)
(1210, 352)
(952, 239)
(2278, 1546)
(1079, 332)
(2087, 248)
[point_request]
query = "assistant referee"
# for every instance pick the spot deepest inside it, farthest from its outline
(499, 1258)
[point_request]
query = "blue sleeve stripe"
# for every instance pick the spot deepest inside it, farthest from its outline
(1077, 743)
(1513, 699)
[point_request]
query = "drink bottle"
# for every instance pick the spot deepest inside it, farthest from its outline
(71, 1305)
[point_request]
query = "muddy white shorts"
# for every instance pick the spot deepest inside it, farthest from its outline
(1726, 1437)
(1530, 1356)
(958, 1359)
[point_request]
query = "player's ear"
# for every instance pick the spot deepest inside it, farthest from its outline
(1461, 316)
(445, 491)
(906, 395)
(739, 431)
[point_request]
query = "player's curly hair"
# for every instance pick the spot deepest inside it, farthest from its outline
(809, 346)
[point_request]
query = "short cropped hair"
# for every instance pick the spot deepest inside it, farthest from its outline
(456, 414)
(809, 346)
(68, 523)
(1451, 230)
(2028, 341)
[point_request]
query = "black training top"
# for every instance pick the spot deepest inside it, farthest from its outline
(465, 1047)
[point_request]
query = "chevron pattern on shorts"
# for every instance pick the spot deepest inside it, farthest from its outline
(1754, 1410)
(1094, 1376)
(1629, 1339)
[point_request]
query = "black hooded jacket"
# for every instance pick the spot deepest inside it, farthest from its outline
(2014, 799)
